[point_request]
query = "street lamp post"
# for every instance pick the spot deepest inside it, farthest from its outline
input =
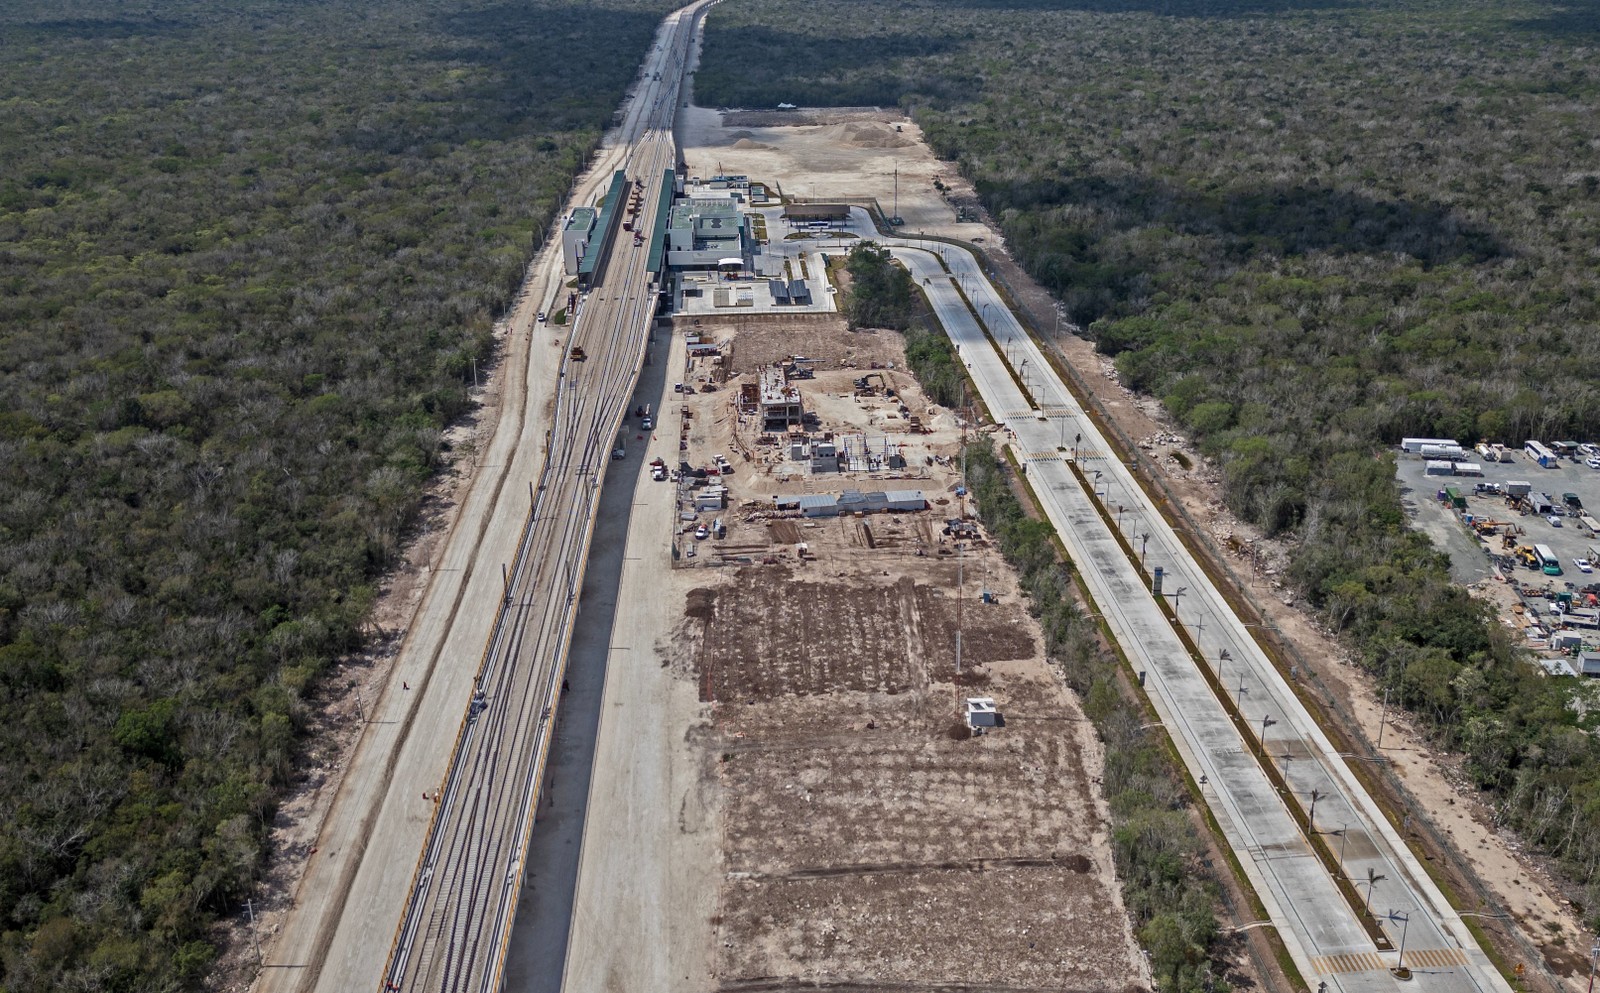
(1311, 815)
(1144, 539)
(1222, 656)
(1344, 836)
(1405, 925)
(1266, 722)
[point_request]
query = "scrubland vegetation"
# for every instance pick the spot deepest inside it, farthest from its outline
(248, 255)
(1309, 228)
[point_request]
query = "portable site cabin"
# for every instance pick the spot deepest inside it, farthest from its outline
(1414, 446)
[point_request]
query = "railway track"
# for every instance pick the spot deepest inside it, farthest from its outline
(454, 929)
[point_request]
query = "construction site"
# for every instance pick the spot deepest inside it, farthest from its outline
(894, 809)
(797, 455)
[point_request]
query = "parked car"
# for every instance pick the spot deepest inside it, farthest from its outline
(701, 533)
(1583, 565)
(1555, 521)
(1592, 463)
(541, 317)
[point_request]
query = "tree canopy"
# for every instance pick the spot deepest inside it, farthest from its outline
(249, 254)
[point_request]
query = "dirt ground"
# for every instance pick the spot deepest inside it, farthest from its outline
(758, 463)
(831, 154)
(867, 839)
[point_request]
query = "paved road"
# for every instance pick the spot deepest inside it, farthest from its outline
(1324, 935)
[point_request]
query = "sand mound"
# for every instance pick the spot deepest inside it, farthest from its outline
(872, 136)
(747, 143)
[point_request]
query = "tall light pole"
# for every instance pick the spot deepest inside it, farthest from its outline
(1344, 836)
(1405, 925)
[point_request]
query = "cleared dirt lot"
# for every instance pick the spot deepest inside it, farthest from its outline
(867, 839)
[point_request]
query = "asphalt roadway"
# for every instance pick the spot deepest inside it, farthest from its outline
(1326, 939)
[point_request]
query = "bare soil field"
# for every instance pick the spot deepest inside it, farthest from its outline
(867, 839)
(783, 634)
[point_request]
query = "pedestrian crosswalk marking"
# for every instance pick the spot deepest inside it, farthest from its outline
(1436, 958)
(1430, 958)
(1060, 456)
(1348, 962)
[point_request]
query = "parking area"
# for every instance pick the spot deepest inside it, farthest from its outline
(1523, 535)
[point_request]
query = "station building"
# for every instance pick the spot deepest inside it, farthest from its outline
(709, 234)
(576, 236)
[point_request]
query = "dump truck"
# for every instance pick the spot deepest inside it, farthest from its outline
(578, 354)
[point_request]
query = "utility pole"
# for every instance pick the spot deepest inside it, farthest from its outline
(255, 936)
(1384, 716)
(1594, 957)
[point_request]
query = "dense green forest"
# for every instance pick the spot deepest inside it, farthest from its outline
(248, 255)
(1309, 227)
